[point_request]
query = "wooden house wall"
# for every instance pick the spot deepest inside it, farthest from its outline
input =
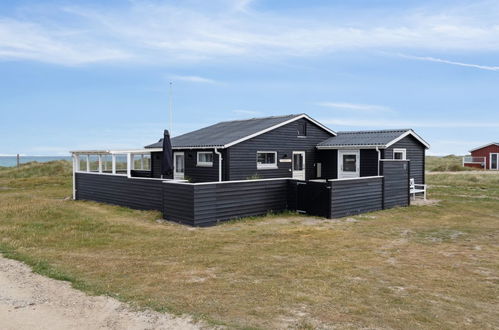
(284, 140)
(415, 153)
(193, 172)
(485, 152)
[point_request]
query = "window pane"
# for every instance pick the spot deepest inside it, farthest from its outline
(205, 157)
(349, 163)
(494, 161)
(266, 158)
(397, 155)
(302, 129)
(179, 163)
(298, 162)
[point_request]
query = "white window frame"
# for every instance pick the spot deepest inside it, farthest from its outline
(204, 164)
(403, 151)
(490, 161)
(266, 166)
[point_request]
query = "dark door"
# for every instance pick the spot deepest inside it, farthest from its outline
(313, 198)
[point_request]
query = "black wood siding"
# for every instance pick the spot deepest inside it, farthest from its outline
(178, 202)
(193, 172)
(368, 162)
(142, 194)
(329, 161)
(284, 140)
(156, 159)
(396, 183)
(415, 153)
(350, 197)
(206, 204)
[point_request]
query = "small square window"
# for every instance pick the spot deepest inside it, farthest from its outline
(205, 158)
(399, 154)
(302, 129)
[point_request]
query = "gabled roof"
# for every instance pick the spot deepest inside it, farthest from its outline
(369, 139)
(485, 146)
(229, 133)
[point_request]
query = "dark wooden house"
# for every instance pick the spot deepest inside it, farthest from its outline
(294, 146)
(250, 167)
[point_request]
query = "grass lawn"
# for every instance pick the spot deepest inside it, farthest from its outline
(434, 266)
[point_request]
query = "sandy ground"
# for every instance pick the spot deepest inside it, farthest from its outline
(32, 301)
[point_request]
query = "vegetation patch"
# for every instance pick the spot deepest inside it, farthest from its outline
(428, 266)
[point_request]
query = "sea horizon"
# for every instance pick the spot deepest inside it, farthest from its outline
(10, 161)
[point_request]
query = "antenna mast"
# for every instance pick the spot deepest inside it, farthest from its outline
(170, 106)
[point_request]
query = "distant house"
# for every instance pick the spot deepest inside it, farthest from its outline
(485, 157)
(294, 146)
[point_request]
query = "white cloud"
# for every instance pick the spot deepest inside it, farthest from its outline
(355, 107)
(30, 41)
(194, 79)
(247, 112)
(353, 122)
(158, 33)
(438, 60)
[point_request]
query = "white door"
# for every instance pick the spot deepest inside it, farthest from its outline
(348, 164)
(178, 165)
(494, 161)
(299, 165)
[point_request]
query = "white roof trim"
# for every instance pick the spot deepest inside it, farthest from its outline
(352, 146)
(114, 152)
(277, 126)
(485, 146)
(409, 132)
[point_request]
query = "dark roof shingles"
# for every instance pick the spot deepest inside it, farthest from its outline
(223, 133)
(363, 138)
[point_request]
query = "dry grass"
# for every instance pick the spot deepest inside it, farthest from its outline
(430, 266)
(450, 163)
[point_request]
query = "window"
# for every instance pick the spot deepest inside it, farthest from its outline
(205, 158)
(302, 129)
(349, 163)
(399, 154)
(266, 159)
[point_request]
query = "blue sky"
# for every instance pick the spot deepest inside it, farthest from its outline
(95, 74)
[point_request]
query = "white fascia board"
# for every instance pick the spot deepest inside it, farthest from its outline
(485, 146)
(196, 148)
(409, 132)
(277, 126)
(350, 147)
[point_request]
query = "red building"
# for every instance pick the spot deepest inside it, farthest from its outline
(484, 157)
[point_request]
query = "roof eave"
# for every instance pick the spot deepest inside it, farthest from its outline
(353, 146)
(485, 146)
(409, 132)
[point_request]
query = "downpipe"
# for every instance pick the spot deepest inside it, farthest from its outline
(220, 159)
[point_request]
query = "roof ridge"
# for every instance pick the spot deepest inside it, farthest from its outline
(267, 117)
(376, 131)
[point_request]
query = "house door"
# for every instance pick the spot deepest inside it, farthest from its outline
(494, 161)
(178, 165)
(299, 165)
(348, 164)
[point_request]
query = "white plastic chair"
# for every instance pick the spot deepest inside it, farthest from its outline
(417, 189)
